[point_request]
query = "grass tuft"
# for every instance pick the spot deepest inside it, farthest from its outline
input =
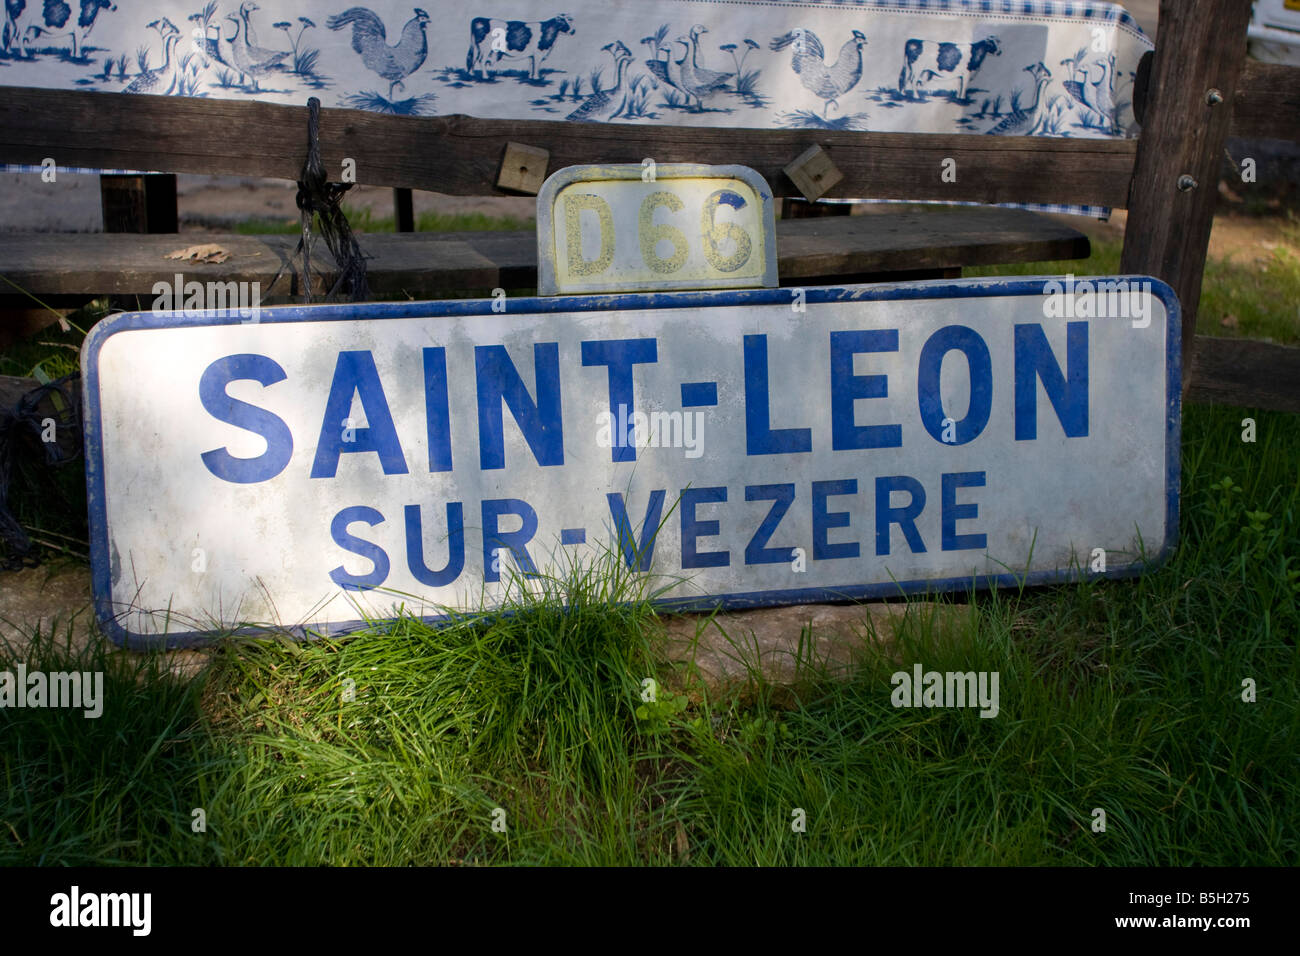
(1119, 695)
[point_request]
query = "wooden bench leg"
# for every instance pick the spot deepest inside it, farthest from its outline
(144, 203)
(404, 210)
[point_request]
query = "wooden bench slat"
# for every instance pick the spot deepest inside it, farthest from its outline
(896, 240)
(1267, 102)
(1247, 373)
(432, 264)
(461, 154)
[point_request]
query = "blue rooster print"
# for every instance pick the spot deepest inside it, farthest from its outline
(829, 81)
(393, 63)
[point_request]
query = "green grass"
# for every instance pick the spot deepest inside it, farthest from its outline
(361, 219)
(1265, 300)
(1119, 695)
(49, 502)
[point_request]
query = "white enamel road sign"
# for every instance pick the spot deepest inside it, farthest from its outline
(326, 464)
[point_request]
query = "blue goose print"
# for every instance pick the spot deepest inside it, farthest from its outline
(163, 78)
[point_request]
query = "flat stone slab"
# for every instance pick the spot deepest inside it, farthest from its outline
(785, 645)
(788, 645)
(58, 601)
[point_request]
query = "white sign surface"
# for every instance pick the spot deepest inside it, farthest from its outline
(772, 446)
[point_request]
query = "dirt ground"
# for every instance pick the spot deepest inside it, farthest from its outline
(1245, 239)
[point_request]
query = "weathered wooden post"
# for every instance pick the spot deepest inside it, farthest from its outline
(139, 203)
(1198, 62)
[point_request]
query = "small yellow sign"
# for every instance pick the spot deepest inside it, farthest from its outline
(646, 228)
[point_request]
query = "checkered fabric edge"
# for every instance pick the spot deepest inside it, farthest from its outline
(1085, 9)
(1068, 209)
(75, 170)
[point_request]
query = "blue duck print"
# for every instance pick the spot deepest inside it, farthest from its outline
(202, 21)
(667, 71)
(696, 79)
(688, 75)
(1023, 119)
(237, 52)
(152, 81)
(9, 31)
(827, 80)
(393, 63)
(1095, 91)
(256, 53)
(602, 105)
(681, 75)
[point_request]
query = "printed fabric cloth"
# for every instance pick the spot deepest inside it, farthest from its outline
(984, 67)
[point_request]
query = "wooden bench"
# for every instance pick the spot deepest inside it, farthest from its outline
(1194, 91)
(183, 135)
(897, 243)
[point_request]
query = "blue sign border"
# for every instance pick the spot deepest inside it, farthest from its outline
(934, 289)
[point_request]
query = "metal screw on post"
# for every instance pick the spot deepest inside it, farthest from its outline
(1186, 183)
(1213, 97)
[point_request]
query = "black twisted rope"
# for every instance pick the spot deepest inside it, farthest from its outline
(317, 196)
(25, 420)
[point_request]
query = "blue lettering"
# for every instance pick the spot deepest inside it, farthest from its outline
(953, 512)
(905, 517)
(620, 356)
(495, 539)
(366, 549)
(437, 413)
(455, 546)
(967, 341)
(355, 374)
(823, 520)
(1068, 393)
(540, 421)
(692, 529)
(846, 388)
(781, 496)
(279, 440)
(637, 556)
(760, 437)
